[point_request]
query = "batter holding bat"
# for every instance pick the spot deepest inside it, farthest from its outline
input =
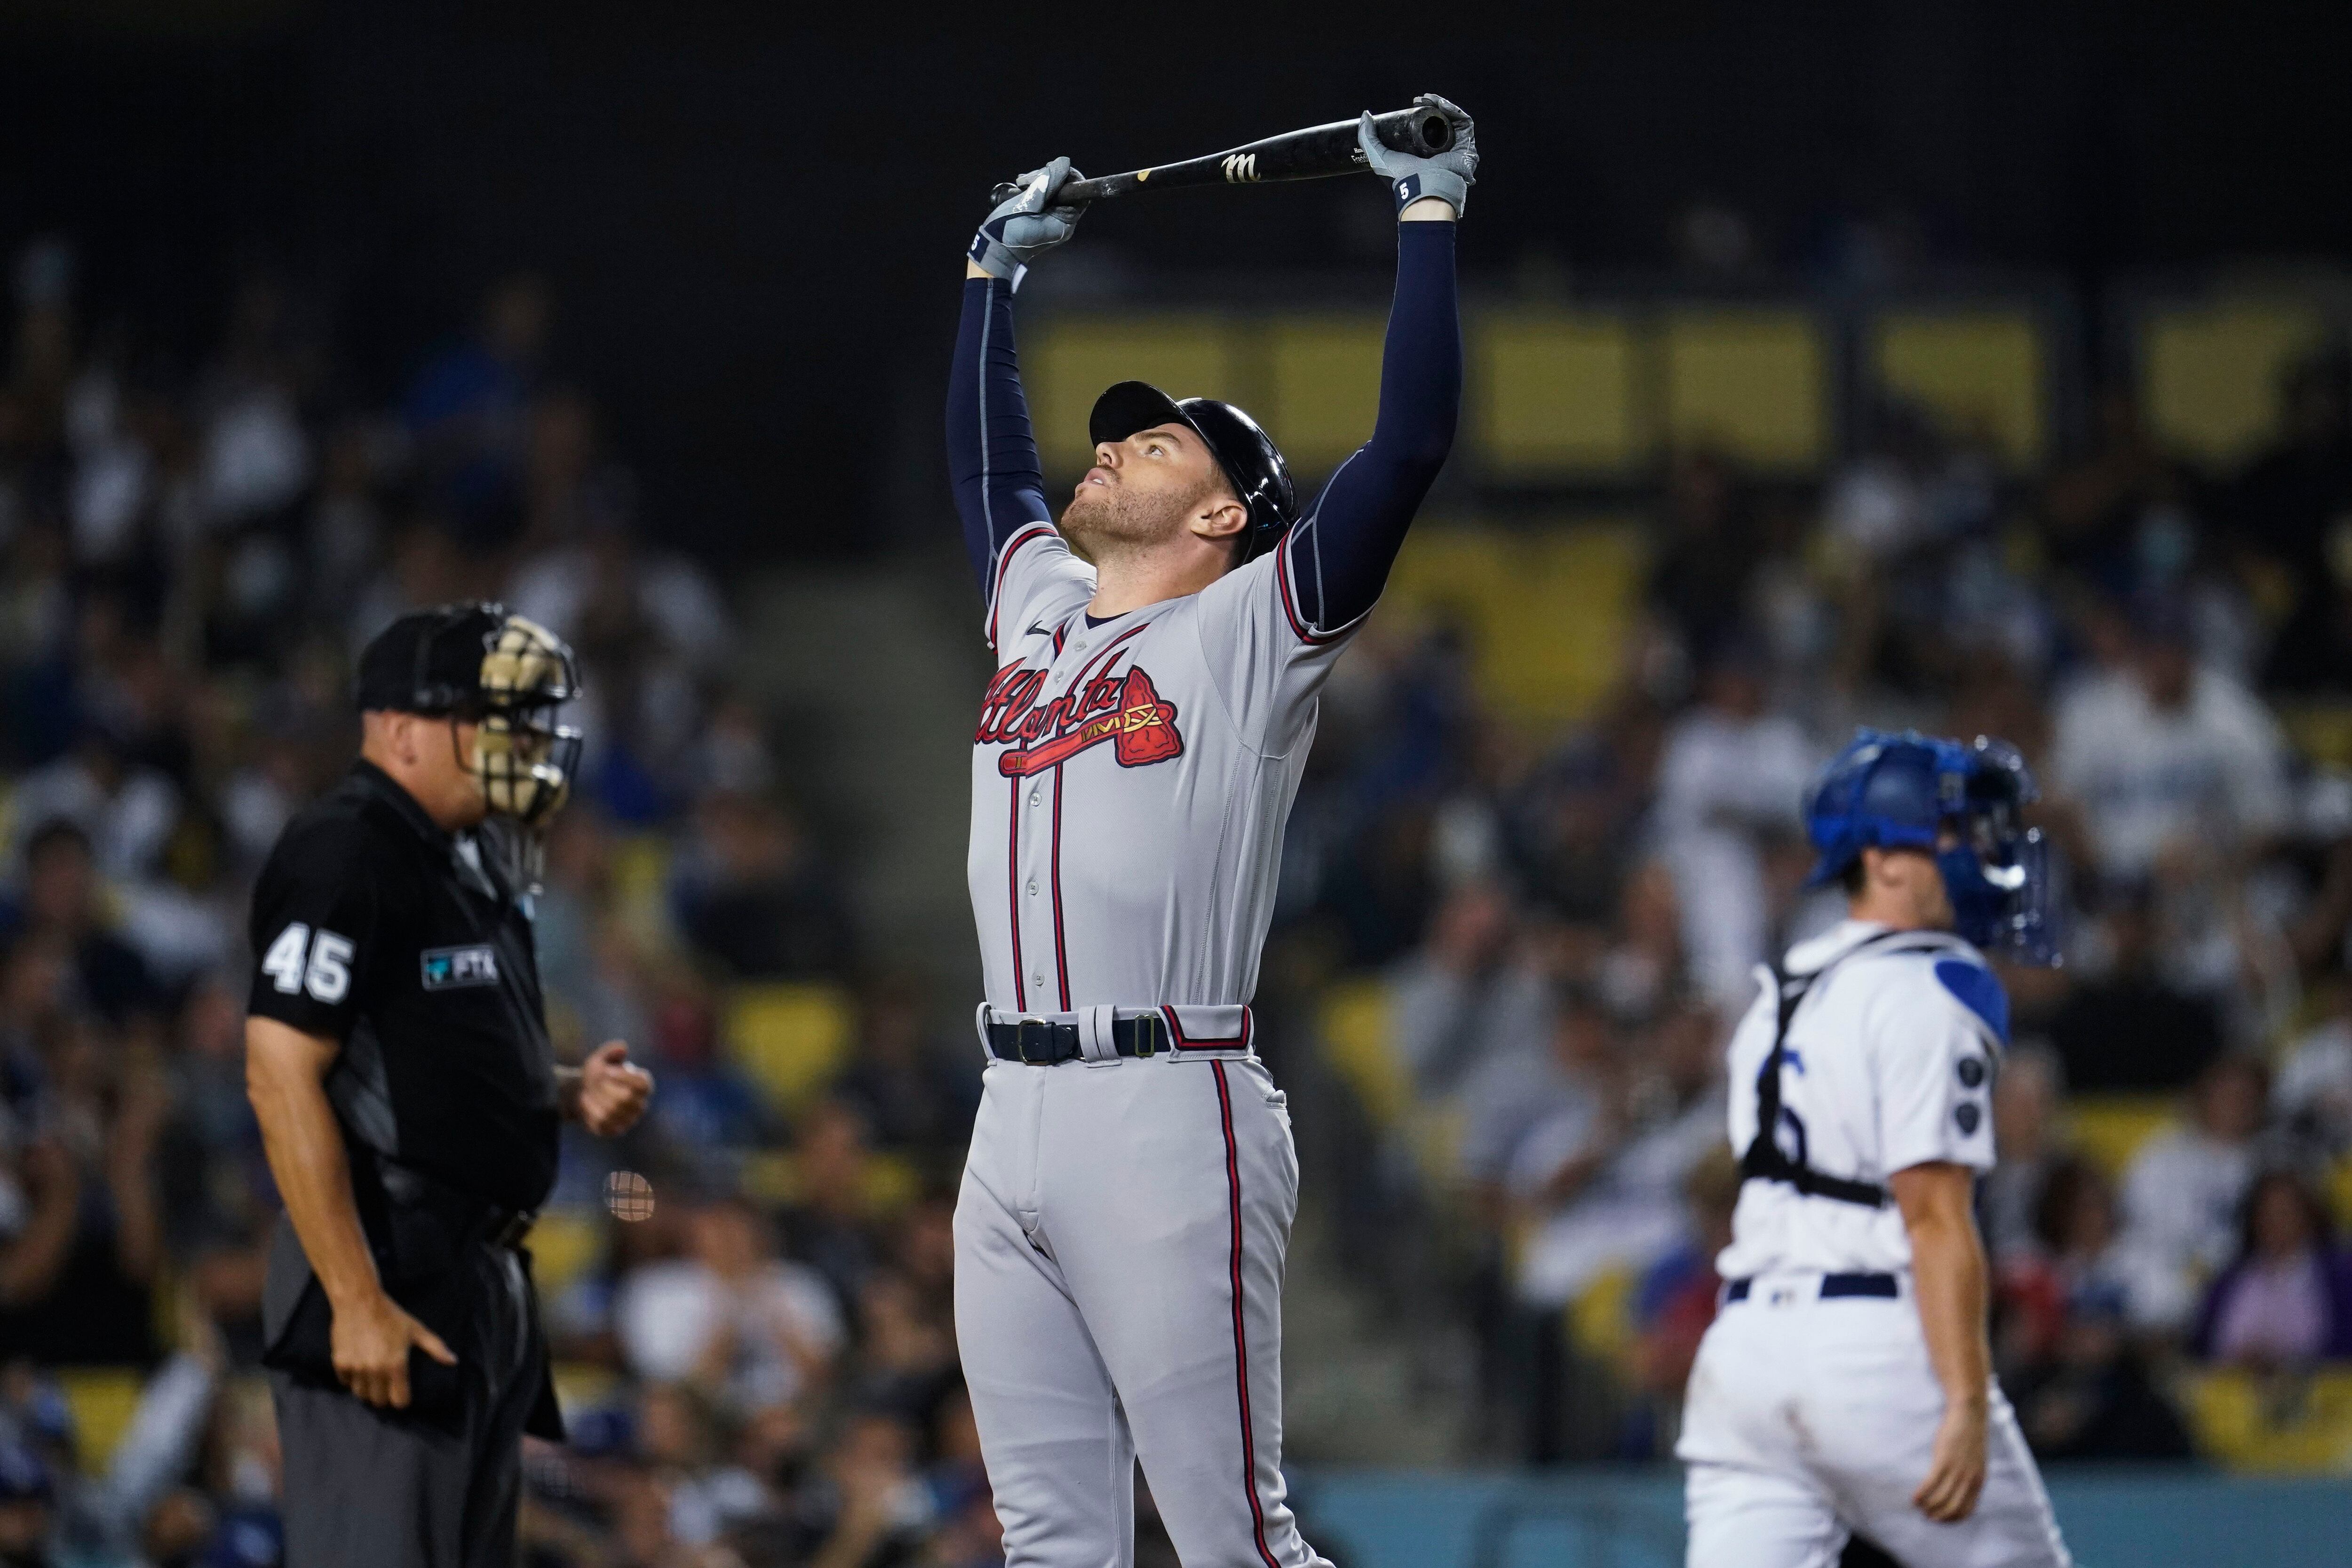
(1127, 1200)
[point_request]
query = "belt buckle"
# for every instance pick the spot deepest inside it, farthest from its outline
(1043, 1033)
(1148, 1026)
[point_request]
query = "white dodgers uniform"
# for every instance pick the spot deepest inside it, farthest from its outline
(1125, 1213)
(1812, 1407)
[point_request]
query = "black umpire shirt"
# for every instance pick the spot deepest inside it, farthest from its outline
(376, 928)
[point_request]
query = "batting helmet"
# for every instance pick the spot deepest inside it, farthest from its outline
(503, 674)
(1890, 790)
(1250, 460)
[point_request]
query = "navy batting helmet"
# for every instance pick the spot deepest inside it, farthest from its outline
(1250, 460)
(1889, 791)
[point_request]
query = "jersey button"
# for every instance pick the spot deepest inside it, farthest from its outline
(1034, 796)
(1033, 887)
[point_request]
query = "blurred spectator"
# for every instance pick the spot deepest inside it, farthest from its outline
(59, 907)
(2183, 1190)
(753, 895)
(112, 799)
(2080, 1256)
(1526, 1108)
(912, 1088)
(2313, 1094)
(2117, 516)
(1677, 1299)
(1608, 1194)
(1467, 996)
(2094, 1399)
(2025, 1095)
(2289, 509)
(730, 1317)
(831, 1228)
(1706, 555)
(468, 412)
(2286, 1301)
(2132, 1027)
(1729, 784)
(2167, 759)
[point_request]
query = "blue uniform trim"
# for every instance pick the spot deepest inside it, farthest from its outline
(1978, 992)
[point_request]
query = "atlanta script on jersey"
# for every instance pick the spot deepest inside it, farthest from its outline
(1138, 771)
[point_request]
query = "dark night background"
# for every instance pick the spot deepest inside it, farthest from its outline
(750, 224)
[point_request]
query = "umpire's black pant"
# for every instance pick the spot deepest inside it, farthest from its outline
(365, 1488)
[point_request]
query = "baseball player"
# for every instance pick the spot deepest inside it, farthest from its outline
(1128, 1194)
(1845, 1386)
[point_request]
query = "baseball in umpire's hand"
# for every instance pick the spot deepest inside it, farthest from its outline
(613, 1091)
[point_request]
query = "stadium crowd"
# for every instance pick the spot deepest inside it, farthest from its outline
(190, 554)
(762, 1369)
(1566, 925)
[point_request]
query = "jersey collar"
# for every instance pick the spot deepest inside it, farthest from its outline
(375, 783)
(1816, 953)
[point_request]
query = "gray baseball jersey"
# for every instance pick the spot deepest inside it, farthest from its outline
(1131, 781)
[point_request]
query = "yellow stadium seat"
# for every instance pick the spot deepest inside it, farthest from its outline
(1600, 1320)
(1355, 1016)
(2110, 1128)
(2339, 1192)
(564, 1245)
(1556, 394)
(582, 1385)
(1067, 360)
(891, 1181)
(2322, 731)
(792, 1039)
(104, 1399)
(1975, 370)
(2281, 1424)
(1325, 387)
(1546, 609)
(2209, 373)
(641, 887)
(1751, 383)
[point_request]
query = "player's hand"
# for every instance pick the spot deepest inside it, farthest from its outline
(1447, 177)
(613, 1092)
(370, 1344)
(1956, 1474)
(1027, 222)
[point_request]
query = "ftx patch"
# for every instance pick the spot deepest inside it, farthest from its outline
(447, 968)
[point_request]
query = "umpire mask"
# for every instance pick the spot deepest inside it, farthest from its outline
(503, 674)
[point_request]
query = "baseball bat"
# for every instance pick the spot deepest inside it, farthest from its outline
(1317, 152)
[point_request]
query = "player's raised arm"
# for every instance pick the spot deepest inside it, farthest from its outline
(992, 454)
(1341, 551)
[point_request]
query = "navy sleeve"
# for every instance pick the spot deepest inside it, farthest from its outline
(1000, 488)
(1341, 551)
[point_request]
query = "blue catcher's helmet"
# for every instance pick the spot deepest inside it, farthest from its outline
(1888, 791)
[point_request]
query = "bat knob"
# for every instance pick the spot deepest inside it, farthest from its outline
(1432, 133)
(1005, 191)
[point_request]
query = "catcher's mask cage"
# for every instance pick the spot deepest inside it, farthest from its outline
(523, 758)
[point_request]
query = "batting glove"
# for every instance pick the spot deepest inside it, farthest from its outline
(1026, 224)
(1448, 176)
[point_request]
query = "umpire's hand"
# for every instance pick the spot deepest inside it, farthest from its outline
(371, 1341)
(609, 1093)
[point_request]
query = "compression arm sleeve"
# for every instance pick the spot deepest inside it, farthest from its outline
(1341, 552)
(1000, 488)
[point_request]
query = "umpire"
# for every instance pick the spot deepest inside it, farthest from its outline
(397, 1056)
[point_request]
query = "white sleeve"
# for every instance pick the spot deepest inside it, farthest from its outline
(1932, 1066)
(1267, 661)
(1035, 578)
